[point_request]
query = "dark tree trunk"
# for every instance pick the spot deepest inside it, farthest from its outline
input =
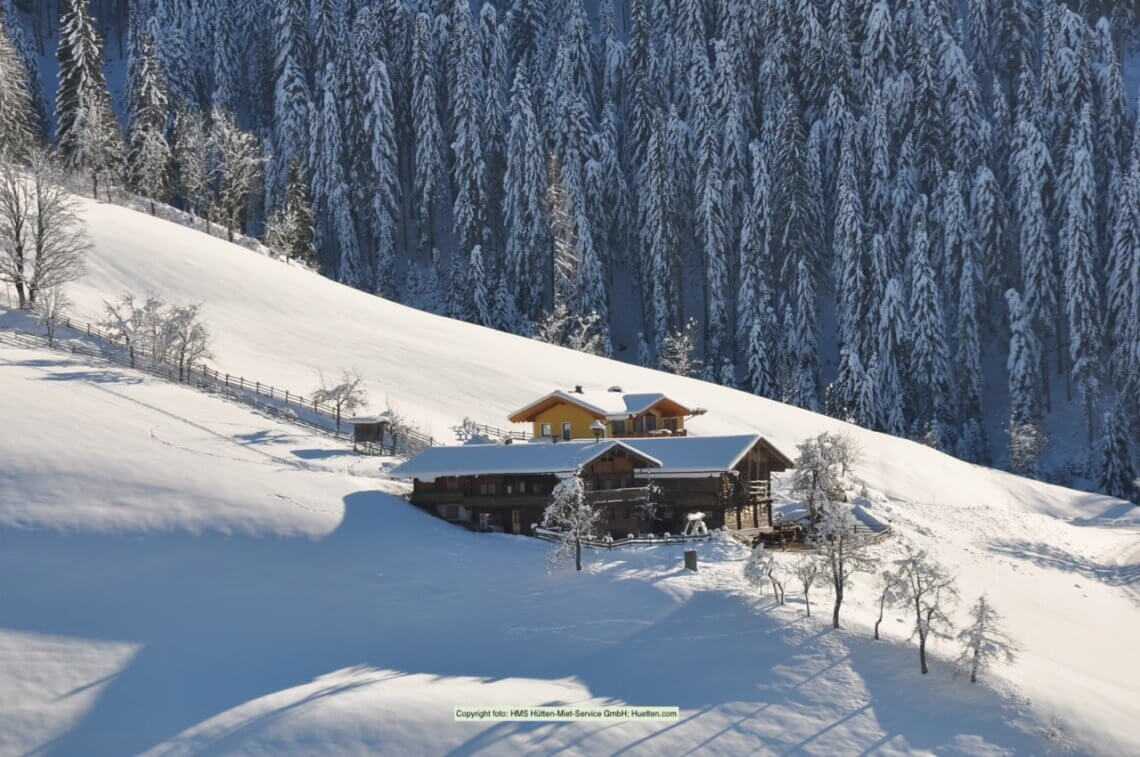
(835, 610)
(578, 553)
(922, 652)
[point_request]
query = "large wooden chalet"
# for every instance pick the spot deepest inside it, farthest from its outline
(505, 487)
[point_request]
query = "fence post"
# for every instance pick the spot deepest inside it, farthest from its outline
(257, 388)
(243, 383)
(286, 398)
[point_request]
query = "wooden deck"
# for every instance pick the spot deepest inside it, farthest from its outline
(632, 495)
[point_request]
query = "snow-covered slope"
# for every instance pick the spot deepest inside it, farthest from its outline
(155, 535)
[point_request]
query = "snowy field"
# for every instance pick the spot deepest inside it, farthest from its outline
(183, 575)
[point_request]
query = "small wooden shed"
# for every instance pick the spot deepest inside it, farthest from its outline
(371, 430)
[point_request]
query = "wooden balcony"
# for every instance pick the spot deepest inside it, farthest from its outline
(631, 495)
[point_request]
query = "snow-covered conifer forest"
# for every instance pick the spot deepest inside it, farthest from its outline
(919, 215)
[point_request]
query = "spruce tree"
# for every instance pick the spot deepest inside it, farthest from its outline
(1026, 441)
(1038, 263)
(523, 215)
(379, 131)
(1082, 299)
(890, 365)
(429, 180)
(18, 127)
(1123, 286)
(469, 211)
(87, 133)
(803, 386)
(293, 106)
(712, 221)
(929, 355)
(1117, 475)
(290, 228)
(150, 156)
(972, 443)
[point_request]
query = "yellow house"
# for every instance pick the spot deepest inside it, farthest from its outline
(612, 413)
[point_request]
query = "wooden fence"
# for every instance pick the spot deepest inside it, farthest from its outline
(554, 536)
(469, 429)
(282, 403)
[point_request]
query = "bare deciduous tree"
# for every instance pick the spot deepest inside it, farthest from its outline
(123, 320)
(984, 640)
(807, 571)
(836, 534)
(928, 589)
(42, 240)
(52, 306)
(188, 337)
(890, 594)
(762, 569)
(344, 393)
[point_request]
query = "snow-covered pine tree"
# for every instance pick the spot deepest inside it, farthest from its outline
(718, 335)
(293, 106)
(523, 215)
(149, 156)
(930, 368)
(987, 208)
(659, 237)
(847, 250)
(87, 134)
(1123, 286)
(289, 230)
(755, 314)
(1116, 474)
(1032, 165)
(18, 120)
(470, 172)
(379, 131)
(1026, 440)
(428, 184)
(495, 114)
(1082, 299)
(228, 86)
(889, 366)
(803, 354)
(972, 443)
(29, 70)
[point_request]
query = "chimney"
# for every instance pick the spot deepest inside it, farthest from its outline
(577, 389)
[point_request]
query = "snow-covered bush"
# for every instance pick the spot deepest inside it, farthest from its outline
(573, 518)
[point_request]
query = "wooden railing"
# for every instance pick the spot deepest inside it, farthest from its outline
(469, 428)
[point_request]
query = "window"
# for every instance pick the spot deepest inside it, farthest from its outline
(618, 427)
(651, 422)
(544, 430)
(509, 488)
(451, 484)
(566, 433)
(486, 487)
(670, 423)
(638, 425)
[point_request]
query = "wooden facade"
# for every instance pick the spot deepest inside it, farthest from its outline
(737, 498)
(513, 503)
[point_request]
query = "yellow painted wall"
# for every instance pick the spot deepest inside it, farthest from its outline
(580, 420)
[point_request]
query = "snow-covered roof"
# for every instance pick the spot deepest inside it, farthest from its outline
(611, 405)
(362, 419)
(518, 459)
(699, 454)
